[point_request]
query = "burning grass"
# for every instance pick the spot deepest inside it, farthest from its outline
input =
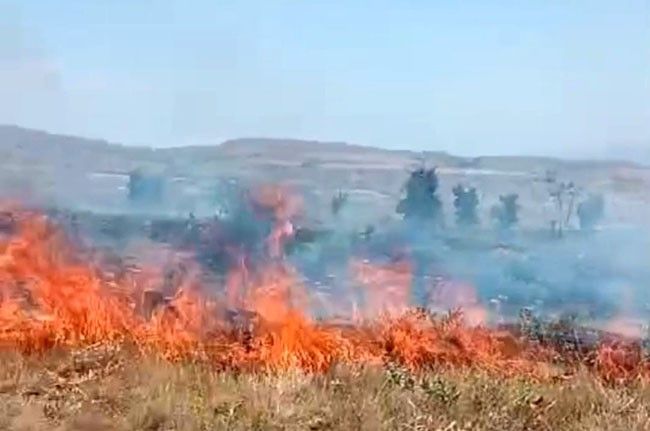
(248, 355)
(50, 298)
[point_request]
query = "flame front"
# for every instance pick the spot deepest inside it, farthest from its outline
(50, 298)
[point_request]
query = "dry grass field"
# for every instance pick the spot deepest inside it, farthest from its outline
(106, 389)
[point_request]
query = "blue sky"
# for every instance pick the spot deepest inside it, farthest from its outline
(544, 77)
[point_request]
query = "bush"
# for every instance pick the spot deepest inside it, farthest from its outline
(421, 201)
(506, 213)
(144, 188)
(591, 211)
(338, 202)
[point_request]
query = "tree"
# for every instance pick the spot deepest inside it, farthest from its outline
(591, 211)
(338, 202)
(421, 201)
(506, 213)
(146, 189)
(466, 205)
(564, 196)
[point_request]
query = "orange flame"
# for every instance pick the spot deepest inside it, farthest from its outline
(50, 298)
(283, 206)
(448, 294)
(386, 288)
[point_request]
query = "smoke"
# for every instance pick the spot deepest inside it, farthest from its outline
(595, 276)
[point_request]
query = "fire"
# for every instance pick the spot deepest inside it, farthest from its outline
(418, 341)
(386, 289)
(617, 362)
(625, 326)
(48, 299)
(283, 206)
(448, 294)
(259, 320)
(297, 343)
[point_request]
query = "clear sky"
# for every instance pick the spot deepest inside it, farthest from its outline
(552, 77)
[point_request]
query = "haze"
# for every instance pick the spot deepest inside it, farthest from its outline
(565, 79)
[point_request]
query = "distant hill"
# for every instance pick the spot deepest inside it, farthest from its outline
(639, 153)
(74, 171)
(40, 146)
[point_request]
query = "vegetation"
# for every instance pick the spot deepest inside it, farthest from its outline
(563, 194)
(338, 202)
(107, 390)
(466, 205)
(591, 211)
(145, 189)
(421, 201)
(506, 213)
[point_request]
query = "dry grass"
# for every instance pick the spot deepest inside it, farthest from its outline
(106, 390)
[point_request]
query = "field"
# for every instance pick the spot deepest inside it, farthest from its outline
(102, 389)
(284, 314)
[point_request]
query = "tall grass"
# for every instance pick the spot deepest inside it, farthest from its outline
(63, 392)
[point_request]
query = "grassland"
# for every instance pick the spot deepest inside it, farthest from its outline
(103, 389)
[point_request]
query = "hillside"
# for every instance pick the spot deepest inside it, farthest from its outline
(72, 171)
